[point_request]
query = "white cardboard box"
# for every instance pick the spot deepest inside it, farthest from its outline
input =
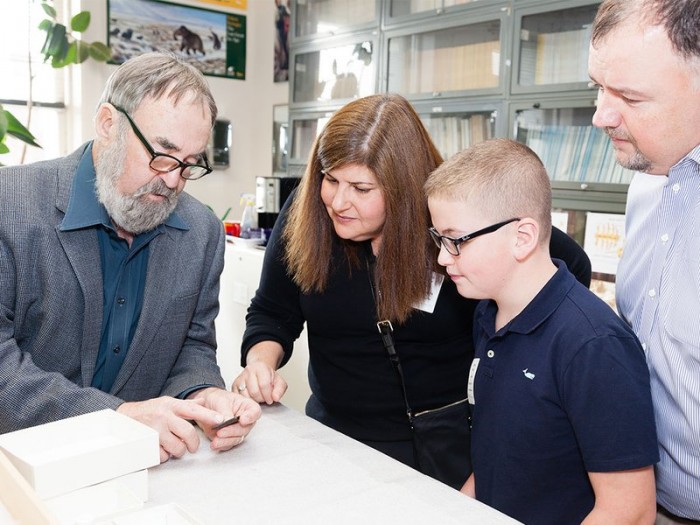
(98, 502)
(19, 504)
(62, 456)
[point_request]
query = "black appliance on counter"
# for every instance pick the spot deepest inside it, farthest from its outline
(270, 195)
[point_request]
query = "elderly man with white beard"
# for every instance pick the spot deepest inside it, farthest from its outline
(109, 273)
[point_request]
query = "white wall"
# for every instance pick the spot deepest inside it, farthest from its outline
(247, 104)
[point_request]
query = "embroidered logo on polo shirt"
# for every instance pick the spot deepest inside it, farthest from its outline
(529, 375)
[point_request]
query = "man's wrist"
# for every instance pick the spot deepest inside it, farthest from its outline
(195, 391)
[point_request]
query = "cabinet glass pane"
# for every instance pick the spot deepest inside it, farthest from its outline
(455, 59)
(453, 132)
(554, 46)
(304, 133)
(335, 73)
(569, 146)
(328, 16)
(409, 7)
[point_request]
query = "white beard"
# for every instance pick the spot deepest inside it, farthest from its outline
(131, 212)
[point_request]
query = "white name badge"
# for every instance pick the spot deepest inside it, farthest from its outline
(470, 382)
(428, 304)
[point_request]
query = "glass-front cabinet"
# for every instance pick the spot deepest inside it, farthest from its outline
(456, 126)
(579, 158)
(321, 18)
(403, 8)
(305, 128)
(551, 47)
(340, 72)
(447, 60)
(473, 69)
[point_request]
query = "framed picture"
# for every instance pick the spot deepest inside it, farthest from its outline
(212, 41)
(283, 15)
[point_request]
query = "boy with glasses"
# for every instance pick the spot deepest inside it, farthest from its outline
(563, 428)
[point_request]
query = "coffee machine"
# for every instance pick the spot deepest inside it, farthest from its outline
(270, 195)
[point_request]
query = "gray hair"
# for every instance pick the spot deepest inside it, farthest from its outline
(153, 75)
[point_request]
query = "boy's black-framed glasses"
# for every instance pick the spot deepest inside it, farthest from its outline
(452, 245)
(164, 163)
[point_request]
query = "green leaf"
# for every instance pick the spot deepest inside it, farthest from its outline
(45, 24)
(49, 34)
(59, 59)
(57, 62)
(58, 36)
(17, 130)
(80, 22)
(3, 122)
(72, 53)
(3, 149)
(83, 52)
(49, 10)
(100, 52)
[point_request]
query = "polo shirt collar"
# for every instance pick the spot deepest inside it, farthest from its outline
(540, 308)
(85, 210)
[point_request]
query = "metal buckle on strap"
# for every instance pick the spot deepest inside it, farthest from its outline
(385, 327)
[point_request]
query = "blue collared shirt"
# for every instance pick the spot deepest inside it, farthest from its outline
(658, 292)
(123, 270)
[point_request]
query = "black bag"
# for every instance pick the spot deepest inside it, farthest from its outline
(442, 441)
(441, 436)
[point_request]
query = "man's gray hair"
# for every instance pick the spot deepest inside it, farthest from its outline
(153, 75)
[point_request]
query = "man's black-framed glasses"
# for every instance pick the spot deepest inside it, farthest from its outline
(452, 245)
(164, 163)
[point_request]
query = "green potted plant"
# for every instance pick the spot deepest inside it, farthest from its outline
(61, 48)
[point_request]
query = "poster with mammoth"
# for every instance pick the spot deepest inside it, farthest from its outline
(212, 41)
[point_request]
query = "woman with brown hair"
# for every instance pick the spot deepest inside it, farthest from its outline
(349, 249)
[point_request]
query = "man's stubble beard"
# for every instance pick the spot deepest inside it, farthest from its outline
(636, 161)
(133, 213)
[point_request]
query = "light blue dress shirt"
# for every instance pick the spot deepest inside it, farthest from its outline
(658, 292)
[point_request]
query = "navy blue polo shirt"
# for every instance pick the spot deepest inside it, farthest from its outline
(123, 270)
(560, 391)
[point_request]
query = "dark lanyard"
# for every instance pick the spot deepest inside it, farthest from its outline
(386, 330)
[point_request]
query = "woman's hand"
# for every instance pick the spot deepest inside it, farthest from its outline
(261, 383)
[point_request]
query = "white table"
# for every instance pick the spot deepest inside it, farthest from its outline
(292, 469)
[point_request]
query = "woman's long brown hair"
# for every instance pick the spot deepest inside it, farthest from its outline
(383, 133)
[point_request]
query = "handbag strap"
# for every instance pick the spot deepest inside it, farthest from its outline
(386, 331)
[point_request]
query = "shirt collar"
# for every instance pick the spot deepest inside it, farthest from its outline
(540, 308)
(85, 210)
(694, 155)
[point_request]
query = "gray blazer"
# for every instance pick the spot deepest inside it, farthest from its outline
(51, 304)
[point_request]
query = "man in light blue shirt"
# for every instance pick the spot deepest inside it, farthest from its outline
(645, 60)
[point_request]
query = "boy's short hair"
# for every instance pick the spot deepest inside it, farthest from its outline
(502, 178)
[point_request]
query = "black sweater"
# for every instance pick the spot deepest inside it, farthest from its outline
(354, 386)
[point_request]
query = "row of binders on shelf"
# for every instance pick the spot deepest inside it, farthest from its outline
(576, 153)
(554, 58)
(455, 133)
(441, 69)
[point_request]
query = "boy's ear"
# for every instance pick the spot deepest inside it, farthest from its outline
(527, 238)
(105, 123)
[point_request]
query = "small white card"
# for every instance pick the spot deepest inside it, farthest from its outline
(428, 304)
(470, 382)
